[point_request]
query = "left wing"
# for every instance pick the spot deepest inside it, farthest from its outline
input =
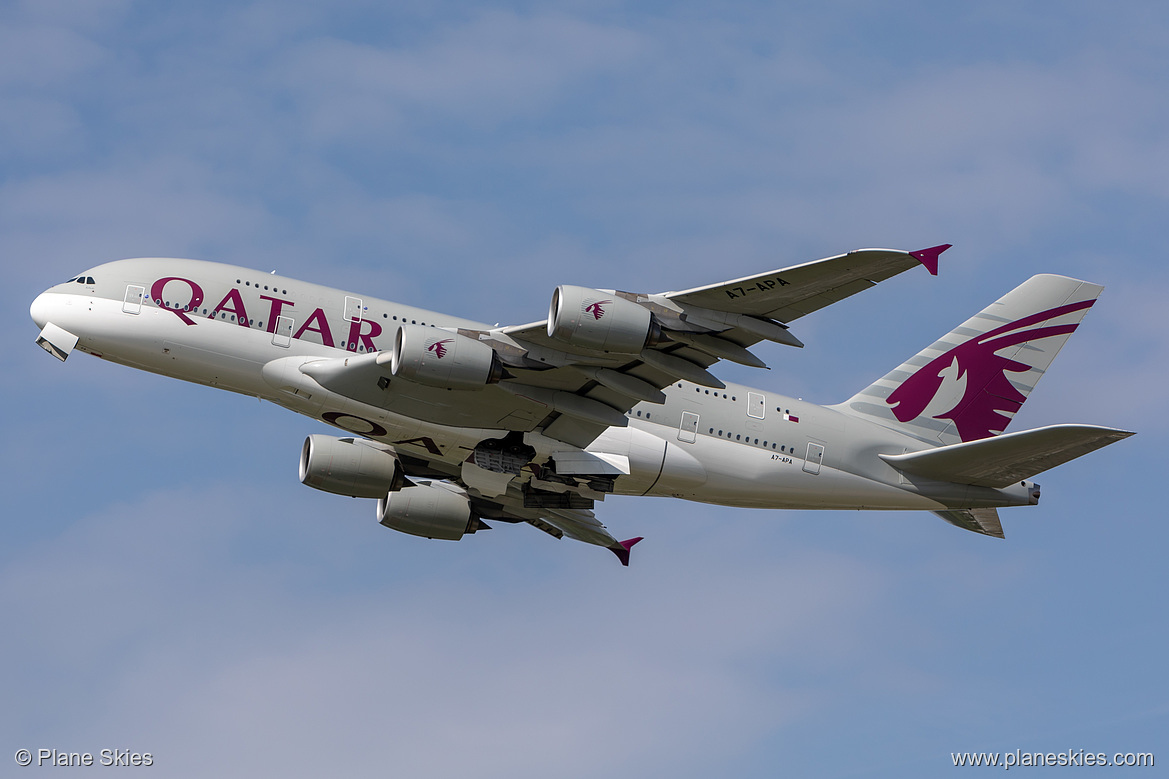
(578, 524)
(982, 521)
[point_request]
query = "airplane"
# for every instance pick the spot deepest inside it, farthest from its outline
(449, 423)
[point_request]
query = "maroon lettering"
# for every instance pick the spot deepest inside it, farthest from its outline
(354, 424)
(366, 338)
(274, 312)
(425, 442)
(237, 307)
(158, 292)
(322, 327)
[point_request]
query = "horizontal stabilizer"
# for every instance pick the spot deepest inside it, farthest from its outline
(982, 521)
(1005, 459)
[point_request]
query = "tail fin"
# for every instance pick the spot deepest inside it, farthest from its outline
(969, 385)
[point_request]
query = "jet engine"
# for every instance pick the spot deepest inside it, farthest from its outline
(592, 319)
(432, 509)
(347, 466)
(440, 358)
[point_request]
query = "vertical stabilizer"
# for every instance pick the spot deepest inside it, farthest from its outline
(969, 385)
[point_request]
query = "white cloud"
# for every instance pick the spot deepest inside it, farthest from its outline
(191, 648)
(40, 56)
(491, 70)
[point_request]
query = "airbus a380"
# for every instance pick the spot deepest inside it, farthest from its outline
(451, 423)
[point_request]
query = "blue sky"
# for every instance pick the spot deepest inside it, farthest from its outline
(167, 586)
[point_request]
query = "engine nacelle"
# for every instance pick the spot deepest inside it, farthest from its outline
(591, 319)
(440, 358)
(432, 509)
(346, 466)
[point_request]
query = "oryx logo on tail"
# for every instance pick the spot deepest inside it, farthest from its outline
(981, 374)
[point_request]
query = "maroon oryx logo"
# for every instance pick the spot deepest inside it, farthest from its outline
(439, 347)
(595, 309)
(988, 391)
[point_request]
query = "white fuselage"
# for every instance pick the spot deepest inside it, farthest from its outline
(248, 332)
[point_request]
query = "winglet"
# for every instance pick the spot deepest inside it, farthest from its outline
(622, 549)
(929, 257)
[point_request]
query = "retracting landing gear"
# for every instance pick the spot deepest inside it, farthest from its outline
(503, 455)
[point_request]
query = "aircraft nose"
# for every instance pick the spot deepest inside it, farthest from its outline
(40, 309)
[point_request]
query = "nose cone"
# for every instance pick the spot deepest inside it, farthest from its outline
(40, 309)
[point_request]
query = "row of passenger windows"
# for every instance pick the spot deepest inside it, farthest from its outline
(716, 394)
(283, 292)
(708, 392)
(412, 321)
(739, 437)
(257, 286)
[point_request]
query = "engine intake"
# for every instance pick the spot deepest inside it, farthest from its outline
(440, 358)
(592, 319)
(430, 509)
(347, 466)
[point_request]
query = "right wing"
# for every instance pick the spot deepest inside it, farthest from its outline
(788, 294)
(700, 326)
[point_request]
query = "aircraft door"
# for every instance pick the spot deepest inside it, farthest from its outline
(282, 335)
(352, 309)
(814, 458)
(132, 303)
(756, 405)
(688, 429)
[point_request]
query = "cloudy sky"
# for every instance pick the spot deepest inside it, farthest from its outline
(167, 586)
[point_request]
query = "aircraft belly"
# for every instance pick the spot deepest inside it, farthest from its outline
(742, 475)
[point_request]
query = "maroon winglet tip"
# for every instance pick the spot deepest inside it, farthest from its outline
(622, 551)
(929, 257)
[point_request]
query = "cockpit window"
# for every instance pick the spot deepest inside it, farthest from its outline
(70, 281)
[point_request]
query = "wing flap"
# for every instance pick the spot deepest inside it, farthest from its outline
(1002, 460)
